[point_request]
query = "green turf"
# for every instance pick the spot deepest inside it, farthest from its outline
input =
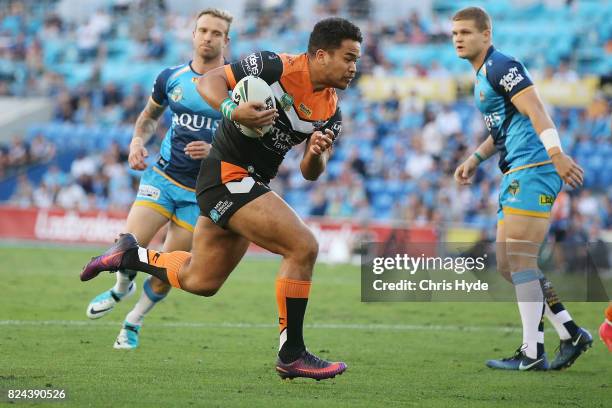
(194, 352)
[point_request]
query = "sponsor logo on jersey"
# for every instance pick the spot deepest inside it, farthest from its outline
(278, 141)
(194, 122)
(546, 199)
(146, 190)
(286, 101)
(492, 120)
(482, 96)
(252, 64)
(337, 128)
(305, 110)
(511, 79)
(176, 94)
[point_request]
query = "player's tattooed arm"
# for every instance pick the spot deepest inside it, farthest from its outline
(147, 121)
(317, 153)
(144, 129)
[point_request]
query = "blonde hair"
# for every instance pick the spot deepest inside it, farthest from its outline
(218, 13)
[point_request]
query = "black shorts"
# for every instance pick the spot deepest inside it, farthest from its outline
(223, 188)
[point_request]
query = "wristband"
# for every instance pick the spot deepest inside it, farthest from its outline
(550, 139)
(478, 157)
(227, 108)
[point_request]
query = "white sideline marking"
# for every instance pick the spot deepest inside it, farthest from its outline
(329, 326)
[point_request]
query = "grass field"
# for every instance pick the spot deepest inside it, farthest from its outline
(220, 351)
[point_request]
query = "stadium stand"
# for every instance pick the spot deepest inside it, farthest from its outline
(397, 153)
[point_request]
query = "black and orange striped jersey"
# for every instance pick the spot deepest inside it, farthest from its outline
(302, 111)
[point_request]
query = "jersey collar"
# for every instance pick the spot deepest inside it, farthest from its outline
(225, 62)
(193, 70)
(489, 52)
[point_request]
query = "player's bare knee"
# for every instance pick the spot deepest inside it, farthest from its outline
(208, 292)
(504, 270)
(305, 250)
(312, 249)
(206, 289)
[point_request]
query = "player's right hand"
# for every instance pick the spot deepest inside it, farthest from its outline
(321, 142)
(254, 114)
(138, 155)
(568, 170)
(466, 171)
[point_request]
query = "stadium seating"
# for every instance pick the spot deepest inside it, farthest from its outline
(587, 139)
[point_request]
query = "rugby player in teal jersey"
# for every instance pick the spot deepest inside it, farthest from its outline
(534, 167)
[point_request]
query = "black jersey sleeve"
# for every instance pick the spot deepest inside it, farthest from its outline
(265, 65)
(158, 94)
(335, 124)
(508, 77)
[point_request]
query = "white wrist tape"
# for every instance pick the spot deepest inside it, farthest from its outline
(550, 139)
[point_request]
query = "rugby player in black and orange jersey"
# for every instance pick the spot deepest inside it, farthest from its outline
(237, 206)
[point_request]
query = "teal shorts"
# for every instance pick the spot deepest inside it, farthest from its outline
(530, 191)
(168, 197)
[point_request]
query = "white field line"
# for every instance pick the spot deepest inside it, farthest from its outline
(324, 326)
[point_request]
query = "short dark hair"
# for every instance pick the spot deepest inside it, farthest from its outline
(329, 33)
(478, 15)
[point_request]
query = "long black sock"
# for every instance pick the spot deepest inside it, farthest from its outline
(291, 298)
(131, 260)
(294, 346)
(540, 345)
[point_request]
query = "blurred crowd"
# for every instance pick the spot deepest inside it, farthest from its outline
(40, 50)
(393, 162)
(93, 182)
(19, 155)
(376, 172)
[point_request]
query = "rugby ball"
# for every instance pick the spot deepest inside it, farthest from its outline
(252, 88)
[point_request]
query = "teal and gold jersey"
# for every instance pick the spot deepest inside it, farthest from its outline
(499, 79)
(192, 119)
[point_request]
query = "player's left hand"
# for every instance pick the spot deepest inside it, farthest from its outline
(568, 170)
(197, 150)
(321, 142)
(466, 170)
